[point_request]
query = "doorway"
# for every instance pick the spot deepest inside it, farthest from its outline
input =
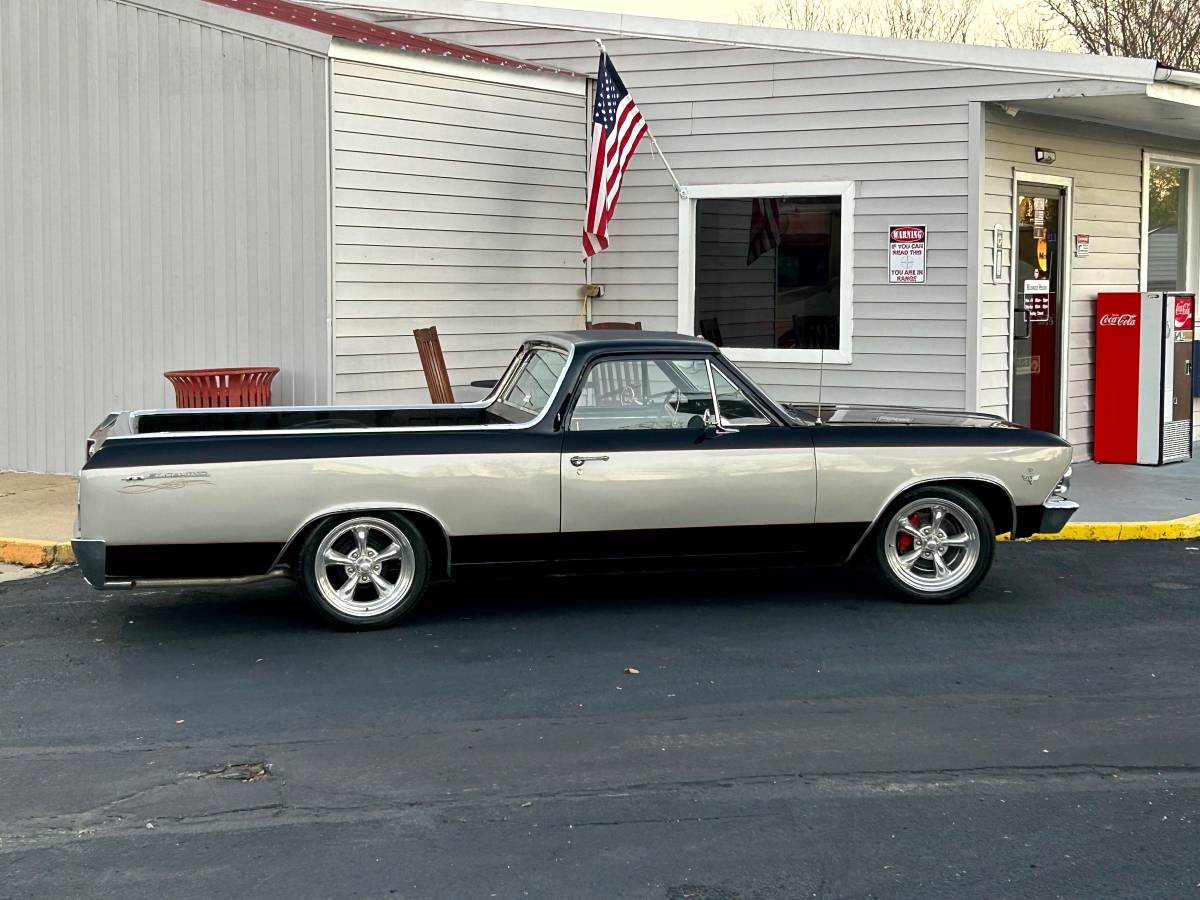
(1041, 306)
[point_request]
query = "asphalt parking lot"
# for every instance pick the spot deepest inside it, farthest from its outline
(788, 735)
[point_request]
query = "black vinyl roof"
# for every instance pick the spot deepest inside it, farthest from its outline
(625, 339)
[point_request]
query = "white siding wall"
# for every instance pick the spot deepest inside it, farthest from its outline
(1105, 165)
(736, 114)
(161, 207)
(458, 202)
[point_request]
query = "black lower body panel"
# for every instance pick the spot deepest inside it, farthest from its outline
(698, 548)
(189, 560)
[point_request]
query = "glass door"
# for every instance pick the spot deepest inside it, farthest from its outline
(1038, 309)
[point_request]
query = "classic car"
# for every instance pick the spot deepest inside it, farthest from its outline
(595, 449)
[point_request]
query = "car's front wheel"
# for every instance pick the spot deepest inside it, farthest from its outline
(935, 544)
(366, 571)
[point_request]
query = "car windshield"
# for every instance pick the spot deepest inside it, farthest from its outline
(532, 383)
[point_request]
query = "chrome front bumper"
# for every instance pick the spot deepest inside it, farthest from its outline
(1049, 518)
(1056, 512)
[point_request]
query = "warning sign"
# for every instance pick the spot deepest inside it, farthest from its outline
(906, 254)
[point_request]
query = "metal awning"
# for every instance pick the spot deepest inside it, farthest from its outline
(1159, 108)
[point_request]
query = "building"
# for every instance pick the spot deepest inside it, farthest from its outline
(192, 183)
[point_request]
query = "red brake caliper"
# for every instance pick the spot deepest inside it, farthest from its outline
(905, 542)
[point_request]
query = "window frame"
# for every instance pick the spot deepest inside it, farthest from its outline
(1192, 264)
(772, 419)
(688, 196)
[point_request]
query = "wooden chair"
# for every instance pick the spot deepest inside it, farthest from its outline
(434, 363)
(626, 326)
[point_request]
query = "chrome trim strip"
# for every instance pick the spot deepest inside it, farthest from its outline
(569, 350)
(917, 482)
(133, 584)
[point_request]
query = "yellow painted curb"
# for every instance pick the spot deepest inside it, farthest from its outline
(39, 554)
(1174, 529)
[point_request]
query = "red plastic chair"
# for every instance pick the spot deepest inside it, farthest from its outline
(195, 388)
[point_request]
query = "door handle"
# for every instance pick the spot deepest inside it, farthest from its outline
(1027, 331)
(578, 461)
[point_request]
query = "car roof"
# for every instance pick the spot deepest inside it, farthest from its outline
(625, 339)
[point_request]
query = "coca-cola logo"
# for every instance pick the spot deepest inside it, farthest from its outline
(1118, 319)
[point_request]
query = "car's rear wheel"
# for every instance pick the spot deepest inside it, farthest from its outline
(935, 544)
(365, 571)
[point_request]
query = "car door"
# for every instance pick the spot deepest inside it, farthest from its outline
(665, 456)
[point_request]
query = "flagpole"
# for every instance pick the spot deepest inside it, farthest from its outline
(650, 134)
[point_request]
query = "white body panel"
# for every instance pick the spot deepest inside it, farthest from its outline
(269, 501)
(856, 483)
(689, 488)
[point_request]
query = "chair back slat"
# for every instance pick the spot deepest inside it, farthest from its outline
(433, 361)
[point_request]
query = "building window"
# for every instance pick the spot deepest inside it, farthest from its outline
(767, 269)
(1169, 194)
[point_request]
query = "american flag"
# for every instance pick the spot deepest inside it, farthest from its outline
(617, 126)
(764, 227)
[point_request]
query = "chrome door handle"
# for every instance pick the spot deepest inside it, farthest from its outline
(578, 461)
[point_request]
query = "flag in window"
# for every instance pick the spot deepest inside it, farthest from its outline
(617, 127)
(764, 227)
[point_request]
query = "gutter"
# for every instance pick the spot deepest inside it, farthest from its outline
(1177, 76)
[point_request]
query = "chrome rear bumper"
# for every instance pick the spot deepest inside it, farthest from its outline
(90, 556)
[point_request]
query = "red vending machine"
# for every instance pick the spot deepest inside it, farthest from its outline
(1144, 377)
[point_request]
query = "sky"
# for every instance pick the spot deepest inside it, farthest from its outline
(990, 12)
(707, 10)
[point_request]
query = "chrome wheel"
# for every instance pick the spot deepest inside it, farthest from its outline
(365, 567)
(932, 545)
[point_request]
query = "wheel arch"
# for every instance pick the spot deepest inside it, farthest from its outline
(437, 539)
(991, 494)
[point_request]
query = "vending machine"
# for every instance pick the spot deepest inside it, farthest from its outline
(1144, 377)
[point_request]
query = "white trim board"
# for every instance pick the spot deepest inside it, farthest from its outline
(458, 68)
(1192, 163)
(687, 264)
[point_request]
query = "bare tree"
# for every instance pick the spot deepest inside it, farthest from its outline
(1027, 27)
(1165, 30)
(948, 20)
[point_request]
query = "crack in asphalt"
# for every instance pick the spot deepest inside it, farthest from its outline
(105, 821)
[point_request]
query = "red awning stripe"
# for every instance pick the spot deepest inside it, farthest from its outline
(361, 32)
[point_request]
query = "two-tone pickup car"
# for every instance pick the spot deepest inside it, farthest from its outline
(629, 450)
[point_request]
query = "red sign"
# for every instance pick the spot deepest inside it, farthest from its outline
(906, 254)
(1121, 320)
(1185, 313)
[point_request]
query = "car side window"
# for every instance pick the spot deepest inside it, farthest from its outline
(737, 410)
(644, 393)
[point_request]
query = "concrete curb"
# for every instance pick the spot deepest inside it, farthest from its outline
(36, 554)
(1173, 529)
